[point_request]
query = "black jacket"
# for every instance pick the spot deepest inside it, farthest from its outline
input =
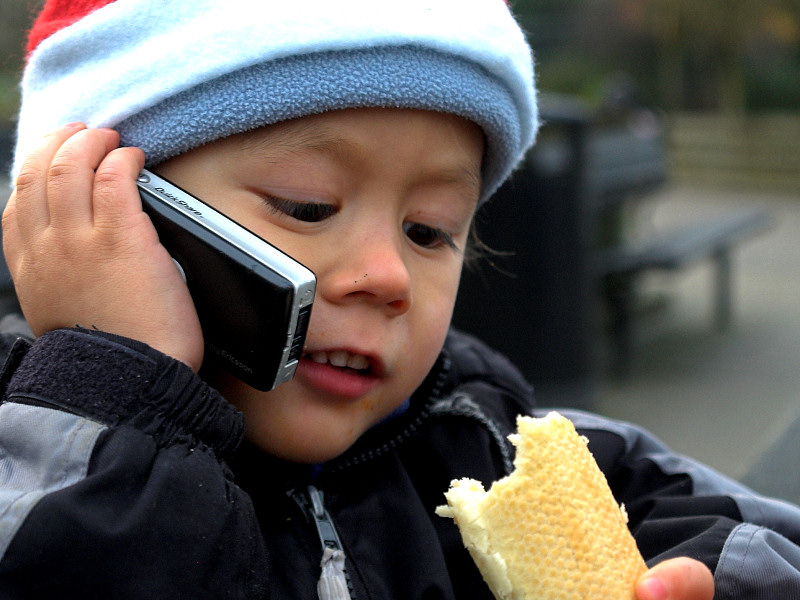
(123, 475)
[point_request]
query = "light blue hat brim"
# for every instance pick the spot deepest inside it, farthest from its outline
(300, 85)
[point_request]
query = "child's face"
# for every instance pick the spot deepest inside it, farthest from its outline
(378, 203)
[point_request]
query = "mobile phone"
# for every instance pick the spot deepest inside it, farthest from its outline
(253, 300)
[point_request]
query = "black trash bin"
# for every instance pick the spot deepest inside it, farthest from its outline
(536, 304)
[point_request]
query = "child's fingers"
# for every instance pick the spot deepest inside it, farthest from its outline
(71, 177)
(10, 229)
(676, 579)
(84, 253)
(30, 206)
(116, 197)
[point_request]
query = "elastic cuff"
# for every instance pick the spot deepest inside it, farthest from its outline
(115, 381)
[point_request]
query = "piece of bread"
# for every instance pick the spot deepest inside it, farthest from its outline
(551, 529)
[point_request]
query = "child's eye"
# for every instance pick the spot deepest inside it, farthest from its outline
(309, 212)
(428, 237)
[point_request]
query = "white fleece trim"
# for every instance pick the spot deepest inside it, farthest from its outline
(145, 42)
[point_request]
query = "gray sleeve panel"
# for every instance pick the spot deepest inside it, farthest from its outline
(42, 450)
(757, 564)
(640, 444)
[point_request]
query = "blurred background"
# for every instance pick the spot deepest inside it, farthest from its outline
(647, 253)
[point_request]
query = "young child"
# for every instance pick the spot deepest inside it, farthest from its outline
(360, 138)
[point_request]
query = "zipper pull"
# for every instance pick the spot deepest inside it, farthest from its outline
(332, 584)
(327, 532)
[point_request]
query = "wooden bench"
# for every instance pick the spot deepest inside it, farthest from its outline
(624, 163)
(620, 267)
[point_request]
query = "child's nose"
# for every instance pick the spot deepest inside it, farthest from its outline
(372, 270)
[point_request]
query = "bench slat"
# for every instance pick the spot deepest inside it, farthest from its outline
(671, 250)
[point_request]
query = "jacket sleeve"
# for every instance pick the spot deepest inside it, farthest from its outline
(678, 507)
(113, 481)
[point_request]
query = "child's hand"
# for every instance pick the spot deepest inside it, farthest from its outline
(82, 252)
(676, 579)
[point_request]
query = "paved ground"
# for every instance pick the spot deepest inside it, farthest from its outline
(722, 397)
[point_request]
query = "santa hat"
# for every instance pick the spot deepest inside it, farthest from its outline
(171, 76)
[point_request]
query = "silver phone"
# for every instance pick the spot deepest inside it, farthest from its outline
(253, 300)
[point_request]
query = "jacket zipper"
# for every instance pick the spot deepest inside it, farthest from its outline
(334, 583)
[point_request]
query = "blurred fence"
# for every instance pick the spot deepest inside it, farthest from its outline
(6, 150)
(761, 150)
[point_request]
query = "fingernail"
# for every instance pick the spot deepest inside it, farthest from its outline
(74, 125)
(656, 588)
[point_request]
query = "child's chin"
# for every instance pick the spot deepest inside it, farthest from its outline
(311, 445)
(309, 456)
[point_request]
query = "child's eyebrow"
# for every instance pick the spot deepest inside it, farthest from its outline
(466, 178)
(292, 138)
(472, 177)
(299, 137)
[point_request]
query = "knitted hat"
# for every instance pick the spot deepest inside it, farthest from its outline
(173, 75)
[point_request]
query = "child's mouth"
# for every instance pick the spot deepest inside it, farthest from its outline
(341, 373)
(342, 359)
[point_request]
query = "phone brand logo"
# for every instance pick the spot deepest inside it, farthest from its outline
(179, 201)
(231, 358)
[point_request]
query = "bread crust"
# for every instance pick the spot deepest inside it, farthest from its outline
(551, 530)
